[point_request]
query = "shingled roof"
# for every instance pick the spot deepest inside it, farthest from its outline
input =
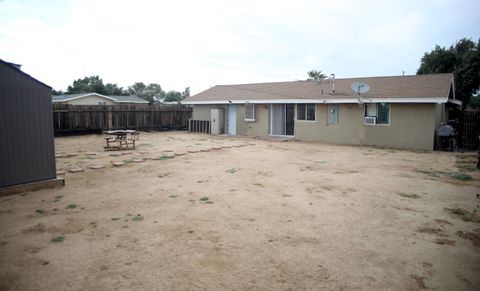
(431, 88)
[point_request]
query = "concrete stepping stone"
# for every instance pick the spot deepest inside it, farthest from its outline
(58, 156)
(76, 170)
(96, 167)
(118, 164)
(60, 173)
(115, 154)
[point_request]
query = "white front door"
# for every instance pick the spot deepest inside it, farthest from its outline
(232, 119)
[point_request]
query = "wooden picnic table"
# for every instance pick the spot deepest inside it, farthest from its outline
(120, 139)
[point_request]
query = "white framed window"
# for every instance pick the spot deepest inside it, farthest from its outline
(379, 112)
(249, 112)
(306, 112)
(332, 113)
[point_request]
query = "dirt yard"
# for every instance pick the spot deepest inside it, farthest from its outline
(197, 212)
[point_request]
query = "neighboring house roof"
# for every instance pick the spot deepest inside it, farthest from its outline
(116, 99)
(17, 67)
(431, 88)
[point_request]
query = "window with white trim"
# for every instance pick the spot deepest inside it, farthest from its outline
(249, 112)
(332, 113)
(306, 112)
(381, 112)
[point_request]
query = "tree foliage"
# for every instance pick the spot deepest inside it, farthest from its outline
(461, 59)
(114, 90)
(315, 75)
(88, 84)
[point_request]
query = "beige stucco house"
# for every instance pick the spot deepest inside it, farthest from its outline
(96, 99)
(397, 111)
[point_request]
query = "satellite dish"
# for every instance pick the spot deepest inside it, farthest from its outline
(360, 87)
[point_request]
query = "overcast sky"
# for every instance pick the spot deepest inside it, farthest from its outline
(205, 43)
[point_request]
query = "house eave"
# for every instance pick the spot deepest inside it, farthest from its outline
(324, 101)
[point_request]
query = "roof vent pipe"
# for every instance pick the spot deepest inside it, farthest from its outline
(332, 77)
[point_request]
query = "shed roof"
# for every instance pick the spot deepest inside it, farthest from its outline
(116, 99)
(431, 87)
(17, 68)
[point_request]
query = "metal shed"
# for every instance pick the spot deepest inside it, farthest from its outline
(27, 154)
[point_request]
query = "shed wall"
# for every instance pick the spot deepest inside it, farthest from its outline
(26, 128)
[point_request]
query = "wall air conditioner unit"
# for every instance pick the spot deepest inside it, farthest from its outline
(370, 120)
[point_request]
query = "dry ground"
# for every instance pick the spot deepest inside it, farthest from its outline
(244, 214)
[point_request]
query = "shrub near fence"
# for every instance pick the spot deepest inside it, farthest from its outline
(76, 118)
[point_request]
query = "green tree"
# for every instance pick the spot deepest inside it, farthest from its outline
(137, 89)
(186, 93)
(59, 92)
(461, 59)
(114, 90)
(147, 92)
(172, 96)
(87, 85)
(315, 75)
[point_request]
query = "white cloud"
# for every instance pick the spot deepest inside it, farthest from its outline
(203, 43)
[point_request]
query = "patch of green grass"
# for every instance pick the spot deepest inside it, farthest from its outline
(461, 176)
(463, 214)
(138, 217)
(93, 224)
(232, 170)
(162, 158)
(409, 195)
(259, 185)
(58, 239)
(190, 231)
(432, 173)
(115, 218)
(71, 206)
(173, 196)
(58, 197)
(205, 198)
(40, 211)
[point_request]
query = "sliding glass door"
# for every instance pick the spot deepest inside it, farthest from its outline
(282, 119)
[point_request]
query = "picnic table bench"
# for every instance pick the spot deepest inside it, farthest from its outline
(120, 139)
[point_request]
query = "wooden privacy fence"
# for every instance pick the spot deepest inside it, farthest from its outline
(74, 118)
(469, 129)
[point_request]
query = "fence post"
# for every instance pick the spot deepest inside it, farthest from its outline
(109, 117)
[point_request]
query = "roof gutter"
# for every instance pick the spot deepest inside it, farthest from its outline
(323, 101)
(456, 102)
